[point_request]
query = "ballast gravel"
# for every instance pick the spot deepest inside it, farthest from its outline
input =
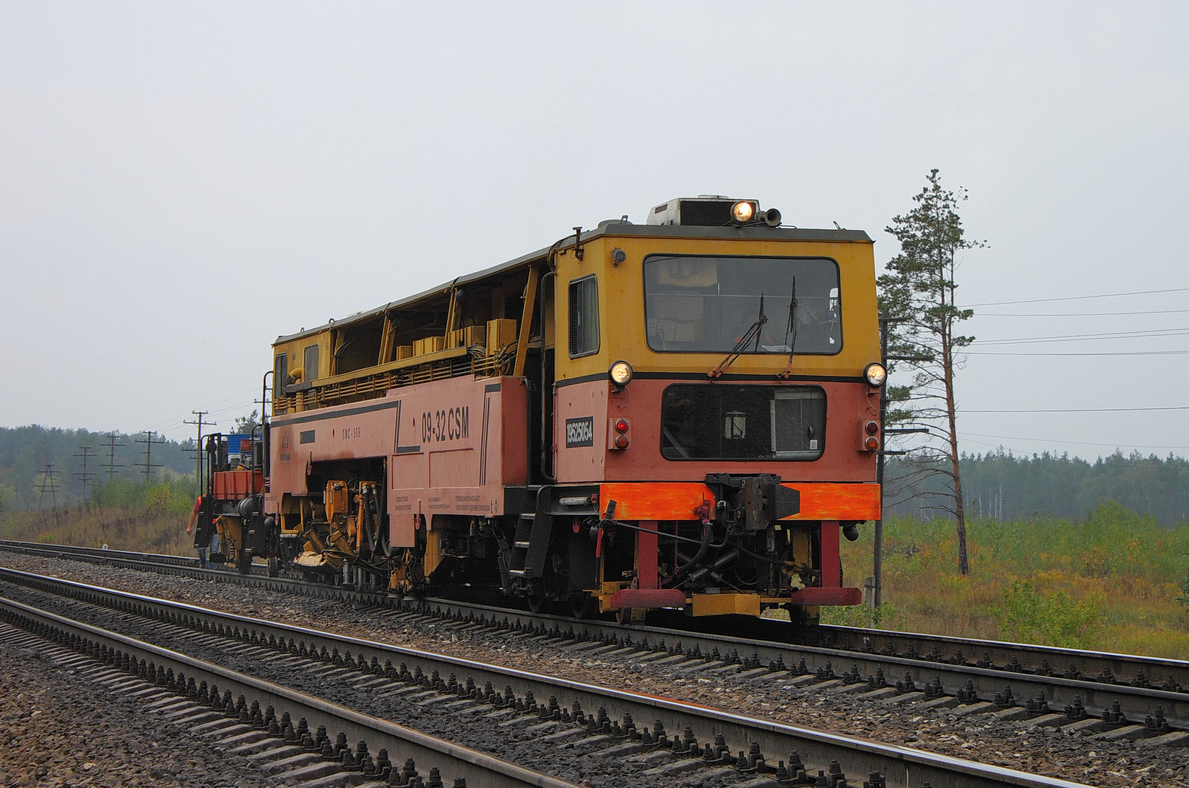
(59, 729)
(516, 738)
(984, 738)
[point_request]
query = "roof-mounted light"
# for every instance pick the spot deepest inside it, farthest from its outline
(713, 210)
(743, 211)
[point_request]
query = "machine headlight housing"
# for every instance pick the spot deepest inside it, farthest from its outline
(743, 212)
(876, 374)
(620, 373)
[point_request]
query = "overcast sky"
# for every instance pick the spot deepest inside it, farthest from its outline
(182, 182)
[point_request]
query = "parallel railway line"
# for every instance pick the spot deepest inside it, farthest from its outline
(253, 715)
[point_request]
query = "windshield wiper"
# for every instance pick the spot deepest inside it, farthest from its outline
(752, 333)
(791, 328)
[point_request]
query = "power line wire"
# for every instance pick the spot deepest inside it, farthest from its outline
(182, 416)
(1077, 410)
(1120, 353)
(1085, 314)
(1077, 298)
(1072, 443)
(1140, 334)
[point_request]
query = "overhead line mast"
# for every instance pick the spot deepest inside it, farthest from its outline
(48, 484)
(84, 476)
(111, 447)
(148, 464)
(198, 446)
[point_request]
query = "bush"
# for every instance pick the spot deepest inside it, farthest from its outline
(1028, 613)
(883, 617)
(174, 496)
(1183, 597)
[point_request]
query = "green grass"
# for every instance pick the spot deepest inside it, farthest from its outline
(1115, 581)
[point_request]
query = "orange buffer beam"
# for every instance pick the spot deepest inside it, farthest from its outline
(658, 500)
(828, 501)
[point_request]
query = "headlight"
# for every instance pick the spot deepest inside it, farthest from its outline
(742, 211)
(620, 373)
(876, 374)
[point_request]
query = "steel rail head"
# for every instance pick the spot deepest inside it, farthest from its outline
(1004, 650)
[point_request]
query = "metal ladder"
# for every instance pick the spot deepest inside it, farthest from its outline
(530, 545)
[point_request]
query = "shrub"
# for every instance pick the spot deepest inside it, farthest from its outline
(1183, 597)
(1029, 613)
(883, 617)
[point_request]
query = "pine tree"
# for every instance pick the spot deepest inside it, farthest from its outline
(918, 288)
(245, 424)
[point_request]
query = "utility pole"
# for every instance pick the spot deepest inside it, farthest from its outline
(83, 475)
(148, 463)
(48, 484)
(198, 451)
(877, 563)
(263, 403)
(111, 447)
(877, 557)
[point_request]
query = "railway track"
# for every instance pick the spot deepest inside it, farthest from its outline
(1116, 696)
(301, 737)
(562, 717)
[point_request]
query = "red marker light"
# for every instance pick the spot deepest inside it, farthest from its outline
(872, 443)
(617, 433)
(871, 427)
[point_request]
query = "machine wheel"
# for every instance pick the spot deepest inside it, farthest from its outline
(583, 606)
(537, 601)
(623, 615)
(274, 566)
(243, 562)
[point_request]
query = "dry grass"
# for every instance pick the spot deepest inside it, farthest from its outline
(1113, 582)
(118, 528)
(149, 516)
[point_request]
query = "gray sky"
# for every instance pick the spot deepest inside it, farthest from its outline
(180, 183)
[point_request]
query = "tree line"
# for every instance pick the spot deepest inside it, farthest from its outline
(26, 451)
(1003, 486)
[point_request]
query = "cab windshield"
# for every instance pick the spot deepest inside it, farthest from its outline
(695, 304)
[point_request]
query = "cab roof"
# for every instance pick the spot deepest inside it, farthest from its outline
(612, 228)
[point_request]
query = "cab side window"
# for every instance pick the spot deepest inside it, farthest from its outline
(584, 316)
(281, 372)
(311, 363)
